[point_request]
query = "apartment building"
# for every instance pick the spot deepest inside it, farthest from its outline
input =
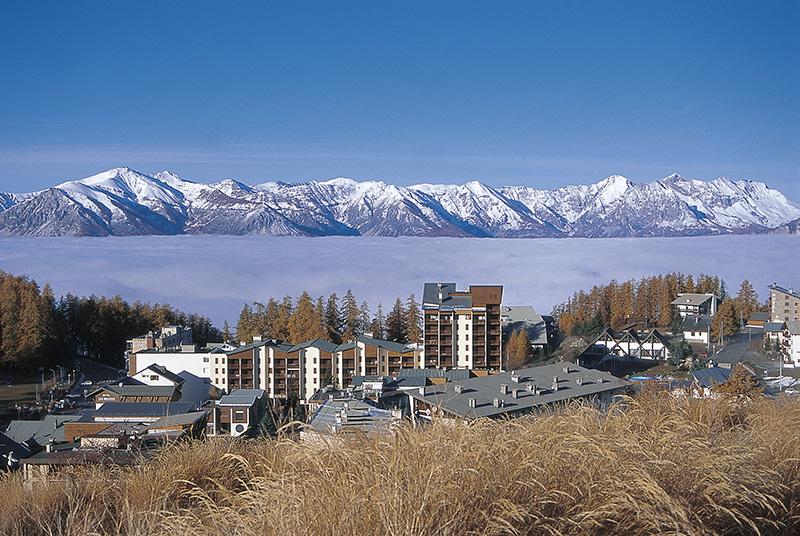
(202, 362)
(784, 303)
(462, 328)
(168, 337)
(285, 370)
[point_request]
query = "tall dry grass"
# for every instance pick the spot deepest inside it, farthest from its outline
(656, 466)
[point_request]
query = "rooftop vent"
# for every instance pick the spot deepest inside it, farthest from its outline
(579, 380)
(497, 402)
(459, 389)
(566, 369)
(473, 403)
(515, 393)
(515, 378)
(600, 379)
(503, 388)
(531, 387)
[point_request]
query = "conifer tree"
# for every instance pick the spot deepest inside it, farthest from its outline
(364, 321)
(378, 324)
(726, 321)
(319, 313)
(304, 323)
(746, 300)
(396, 329)
(413, 319)
(333, 318)
(351, 323)
(226, 332)
(244, 327)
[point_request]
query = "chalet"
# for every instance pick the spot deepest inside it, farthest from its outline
(626, 344)
(697, 328)
(513, 394)
(238, 413)
(691, 304)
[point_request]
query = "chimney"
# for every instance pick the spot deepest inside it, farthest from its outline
(459, 389)
(515, 378)
(504, 388)
(566, 369)
(579, 380)
(555, 383)
(256, 338)
(473, 403)
(600, 379)
(515, 393)
(531, 387)
(497, 402)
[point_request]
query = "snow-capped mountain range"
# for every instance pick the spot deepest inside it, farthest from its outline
(122, 201)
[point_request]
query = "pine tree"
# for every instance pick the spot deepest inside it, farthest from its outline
(333, 318)
(364, 321)
(746, 300)
(726, 320)
(351, 324)
(413, 319)
(396, 329)
(226, 332)
(517, 349)
(378, 324)
(319, 313)
(304, 323)
(244, 327)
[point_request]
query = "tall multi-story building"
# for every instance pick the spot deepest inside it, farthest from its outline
(285, 370)
(462, 328)
(784, 303)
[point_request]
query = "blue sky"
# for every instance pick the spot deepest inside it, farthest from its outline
(534, 93)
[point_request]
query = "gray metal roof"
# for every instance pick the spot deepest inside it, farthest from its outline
(178, 420)
(142, 409)
(759, 315)
(51, 427)
(696, 323)
(9, 445)
(690, 298)
(709, 377)
(484, 389)
(524, 316)
(241, 397)
(793, 326)
(774, 326)
(450, 374)
(392, 346)
(431, 291)
(360, 416)
(322, 344)
(345, 346)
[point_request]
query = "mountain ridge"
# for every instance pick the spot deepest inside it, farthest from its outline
(122, 201)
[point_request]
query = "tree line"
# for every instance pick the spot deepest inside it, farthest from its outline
(648, 302)
(37, 329)
(331, 319)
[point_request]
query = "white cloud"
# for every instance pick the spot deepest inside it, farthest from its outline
(216, 275)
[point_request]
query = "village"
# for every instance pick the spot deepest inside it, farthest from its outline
(467, 365)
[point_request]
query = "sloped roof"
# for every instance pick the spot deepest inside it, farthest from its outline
(163, 371)
(774, 326)
(139, 390)
(42, 431)
(709, 377)
(484, 389)
(696, 323)
(690, 298)
(784, 290)
(241, 397)
(178, 420)
(322, 344)
(8, 445)
(392, 346)
(793, 326)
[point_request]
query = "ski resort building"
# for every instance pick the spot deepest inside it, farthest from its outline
(690, 304)
(462, 328)
(627, 343)
(784, 303)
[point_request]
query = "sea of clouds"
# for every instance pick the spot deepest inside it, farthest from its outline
(216, 275)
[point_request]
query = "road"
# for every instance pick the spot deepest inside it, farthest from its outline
(745, 347)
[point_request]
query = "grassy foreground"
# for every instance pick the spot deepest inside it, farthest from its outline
(661, 466)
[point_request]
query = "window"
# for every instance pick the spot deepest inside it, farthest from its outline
(315, 371)
(216, 361)
(216, 371)
(238, 416)
(154, 377)
(205, 360)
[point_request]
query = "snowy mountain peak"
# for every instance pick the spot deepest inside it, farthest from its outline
(122, 201)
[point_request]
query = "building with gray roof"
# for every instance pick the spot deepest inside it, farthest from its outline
(37, 434)
(516, 317)
(690, 303)
(511, 394)
(348, 415)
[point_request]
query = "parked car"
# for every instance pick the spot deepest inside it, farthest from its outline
(87, 382)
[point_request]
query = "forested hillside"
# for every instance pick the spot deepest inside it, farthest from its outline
(648, 302)
(36, 328)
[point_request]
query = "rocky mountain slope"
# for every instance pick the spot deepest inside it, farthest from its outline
(123, 202)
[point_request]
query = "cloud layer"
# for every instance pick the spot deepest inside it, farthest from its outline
(216, 275)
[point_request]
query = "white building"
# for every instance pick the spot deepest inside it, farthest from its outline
(793, 335)
(692, 304)
(697, 329)
(206, 363)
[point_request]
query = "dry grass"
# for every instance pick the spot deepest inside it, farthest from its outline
(660, 466)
